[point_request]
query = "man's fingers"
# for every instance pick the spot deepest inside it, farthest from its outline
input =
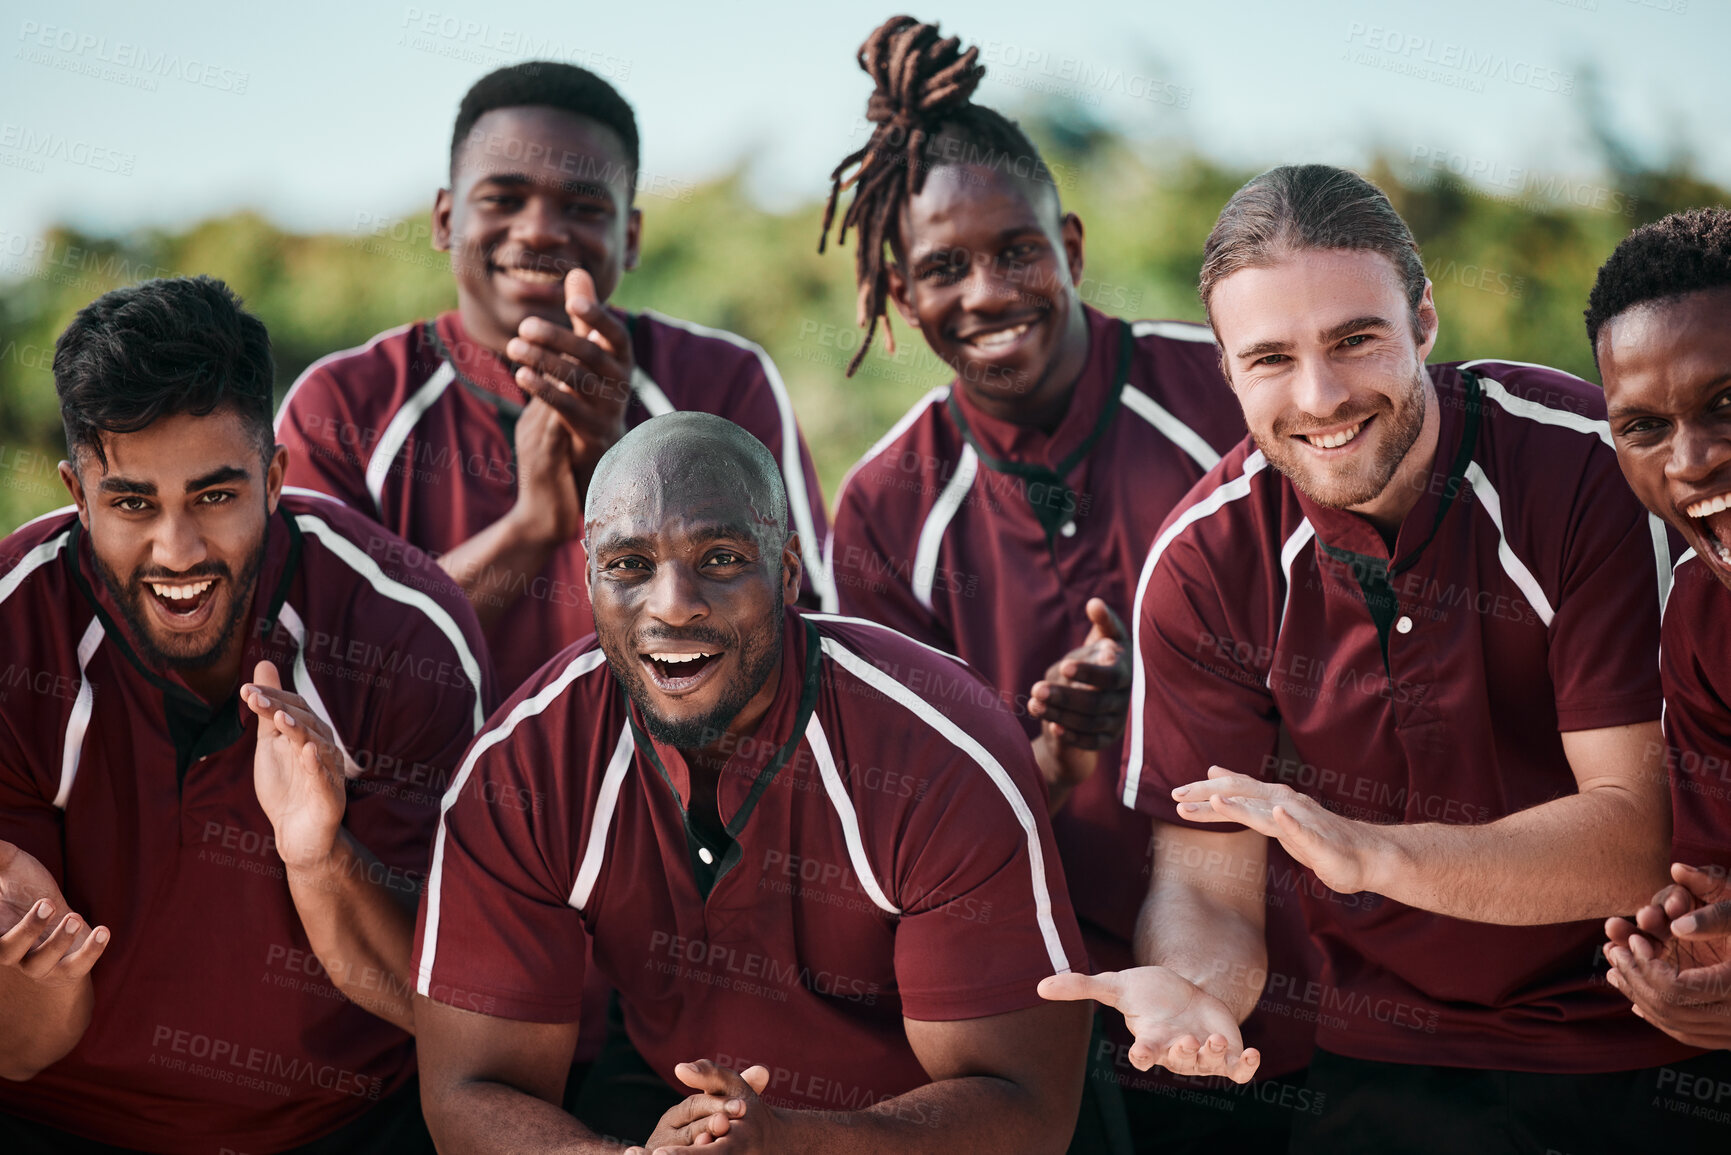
(1084, 711)
(756, 1077)
(77, 963)
(1095, 676)
(17, 942)
(1707, 922)
(60, 942)
(1067, 988)
(1106, 624)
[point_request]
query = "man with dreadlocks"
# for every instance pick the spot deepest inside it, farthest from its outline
(1005, 518)
(473, 435)
(1657, 320)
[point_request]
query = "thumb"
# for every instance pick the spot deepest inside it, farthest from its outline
(265, 677)
(264, 674)
(1073, 987)
(1106, 625)
(756, 1077)
(580, 296)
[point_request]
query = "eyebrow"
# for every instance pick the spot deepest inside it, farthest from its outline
(703, 534)
(1326, 337)
(219, 476)
(516, 180)
(1618, 412)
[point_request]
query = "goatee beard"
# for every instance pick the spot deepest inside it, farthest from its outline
(130, 598)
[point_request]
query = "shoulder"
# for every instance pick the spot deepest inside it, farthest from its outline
(568, 706)
(897, 469)
(1529, 406)
(28, 575)
(368, 378)
(46, 624)
(1176, 386)
(1238, 507)
(681, 349)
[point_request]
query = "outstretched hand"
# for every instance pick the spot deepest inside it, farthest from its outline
(44, 939)
(1177, 1024)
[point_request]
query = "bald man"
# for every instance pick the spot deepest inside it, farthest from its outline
(825, 902)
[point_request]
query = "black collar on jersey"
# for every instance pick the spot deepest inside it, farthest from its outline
(726, 857)
(197, 728)
(1372, 573)
(506, 411)
(1060, 503)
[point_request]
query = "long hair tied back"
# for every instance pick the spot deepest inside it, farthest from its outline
(921, 82)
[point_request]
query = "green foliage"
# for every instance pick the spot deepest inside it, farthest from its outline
(1511, 277)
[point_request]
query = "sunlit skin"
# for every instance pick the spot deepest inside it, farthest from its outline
(535, 192)
(182, 502)
(683, 562)
(1667, 372)
(980, 253)
(1318, 342)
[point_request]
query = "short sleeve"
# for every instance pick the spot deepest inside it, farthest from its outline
(867, 576)
(1197, 698)
(324, 443)
(28, 817)
(496, 933)
(1604, 637)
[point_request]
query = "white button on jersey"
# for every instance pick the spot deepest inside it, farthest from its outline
(1068, 529)
(1404, 625)
(708, 858)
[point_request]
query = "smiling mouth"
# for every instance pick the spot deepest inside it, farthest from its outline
(997, 340)
(1712, 523)
(1336, 439)
(676, 672)
(183, 604)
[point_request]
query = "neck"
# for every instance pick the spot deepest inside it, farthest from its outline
(217, 681)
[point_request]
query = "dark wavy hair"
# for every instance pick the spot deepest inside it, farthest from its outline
(553, 85)
(1682, 253)
(159, 349)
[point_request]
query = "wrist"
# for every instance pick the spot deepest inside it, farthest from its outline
(1386, 859)
(532, 522)
(312, 861)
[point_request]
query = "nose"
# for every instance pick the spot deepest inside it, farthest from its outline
(985, 288)
(676, 595)
(1697, 453)
(1317, 390)
(178, 544)
(539, 223)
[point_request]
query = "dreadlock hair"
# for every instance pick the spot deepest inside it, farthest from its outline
(160, 349)
(923, 118)
(545, 82)
(1682, 253)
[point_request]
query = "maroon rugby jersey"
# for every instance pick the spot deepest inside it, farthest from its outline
(931, 539)
(891, 858)
(215, 1027)
(1524, 606)
(415, 433)
(1695, 667)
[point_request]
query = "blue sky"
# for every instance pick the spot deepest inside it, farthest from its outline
(321, 113)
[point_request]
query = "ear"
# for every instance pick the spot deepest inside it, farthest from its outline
(443, 203)
(792, 569)
(1428, 323)
(274, 477)
(75, 486)
(1070, 230)
(633, 237)
(897, 283)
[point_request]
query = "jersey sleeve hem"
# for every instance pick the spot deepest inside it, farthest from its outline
(1589, 714)
(959, 1003)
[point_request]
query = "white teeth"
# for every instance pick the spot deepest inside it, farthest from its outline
(535, 276)
(1334, 440)
(1000, 338)
(1719, 551)
(180, 593)
(1711, 506)
(678, 659)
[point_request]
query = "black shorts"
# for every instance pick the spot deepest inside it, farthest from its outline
(1374, 1108)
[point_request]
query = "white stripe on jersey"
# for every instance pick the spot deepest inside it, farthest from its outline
(792, 467)
(1300, 538)
(938, 520)
(1174, 430)
(582, 664)
(1517, 570)
(895, 691)
(816, 617)
(330, 357)
(1228, 491)
(31, 562)
(938, 396)
(844, 810)
(648, 392)
(1174, 330)
(397, 431)
(590, 868)
(358, 560)
(79, 723)
(303, 678)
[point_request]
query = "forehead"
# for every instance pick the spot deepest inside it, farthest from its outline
(173, 450)
(672, 495)
(1306, 290)
(1680, 343)
(966, 200)
(545, 144)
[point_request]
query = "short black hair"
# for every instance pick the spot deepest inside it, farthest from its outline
(1682, 253)
(158, 349)
(554, 85)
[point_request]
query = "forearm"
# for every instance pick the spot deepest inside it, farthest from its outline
(1588, 855)
(495, 566)
(1210, 943)
(481, 1117)
(977, 1113)
(1059, 786)
(40, 1024)
(361, 929)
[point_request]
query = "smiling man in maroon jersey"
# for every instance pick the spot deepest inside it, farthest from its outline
(1434, 579)
(1006, 516)
(207, 888)
(473, 435)
(824, 900)
(1660, 322)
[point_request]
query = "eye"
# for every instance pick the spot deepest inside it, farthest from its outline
(629, 562)
(502, 202)
(1356, 340)
(1640, 426)
(724, 557)
(216, 497)
(1271, 359)
(1722, 401)
(1019, 253)
(131, 504)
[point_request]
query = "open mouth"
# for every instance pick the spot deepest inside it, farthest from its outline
(995, 341)
(677, 672)
(1335, 439)
(183, 604)
(539, 275)
(1711, 520)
